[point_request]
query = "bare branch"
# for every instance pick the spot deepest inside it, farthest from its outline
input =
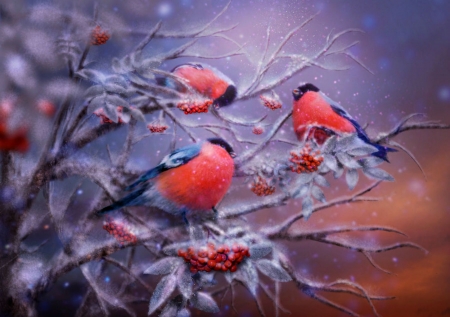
(393, 143)
(151, 34)
(403, 126)
(129, 272)
(249, 154)
(284, 227)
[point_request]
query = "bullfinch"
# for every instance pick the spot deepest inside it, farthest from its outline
(313, 111)
(204, 79)
(193, 178)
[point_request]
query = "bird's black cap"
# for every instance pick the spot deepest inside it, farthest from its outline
(224, 144)
(301, 90)
(227, 98)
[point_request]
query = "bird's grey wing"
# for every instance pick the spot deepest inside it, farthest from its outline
(177, 158)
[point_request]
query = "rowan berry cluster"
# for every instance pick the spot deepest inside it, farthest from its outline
(157, 127)
(210, 258)
(304, 162)
(104, 118)
(11, 140)
(257, 130)
(270, 103)
(99, 36)
(120, 231)
(198, 106)
(262, 188)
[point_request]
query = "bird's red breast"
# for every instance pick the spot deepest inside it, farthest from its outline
(312, 110)
(201, 183)
(205, 81)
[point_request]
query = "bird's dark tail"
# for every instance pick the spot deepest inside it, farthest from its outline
(131, 199)
(382, 151)
(160, 81)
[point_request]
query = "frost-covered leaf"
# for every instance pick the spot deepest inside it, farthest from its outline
(97, 102)
(228, 276)
(260, 250)
(137, 79)
(127, 63)
(370, 161)
(207, 279)
(150, 63)
(378, 173)
(339, 171)
(170, 310)
(307, 207)
(94, 91)
(330, 161)
(137, 114)
(162, 292)
(318, 194)
(196, 233)
(105, 296)
(114, 88)
(351, 178)
(273, 270)
(204, 302)
(323, 169)
(172, 249)
(248, 275)
(321, 181)
(117, 66)
(90, 74)
(303, 178)
(118, 80)
(185, 282)
(116, 101)
(184, 313)
(164, 266)
(301, 192)
(348, 142)
(329, 145)
(111, 112)
(347, 160)
(362, 150)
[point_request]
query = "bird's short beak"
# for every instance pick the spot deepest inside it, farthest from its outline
(232, 154)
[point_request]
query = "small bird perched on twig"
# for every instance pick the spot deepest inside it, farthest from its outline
(193, 178)
(204, 79)
(313, 111)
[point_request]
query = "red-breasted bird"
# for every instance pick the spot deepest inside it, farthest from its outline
(313, 111)
(204, 79)
(193, 178)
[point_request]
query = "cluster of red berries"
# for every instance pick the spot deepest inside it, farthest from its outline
(11, 141)
(304, 162)
(46, 107)
(156, 127)
(99, 36)
(209, 258)
(104, 119)
(262, 188)
(270, 103)
(120, 231)
(257, 130)
(194, 106)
